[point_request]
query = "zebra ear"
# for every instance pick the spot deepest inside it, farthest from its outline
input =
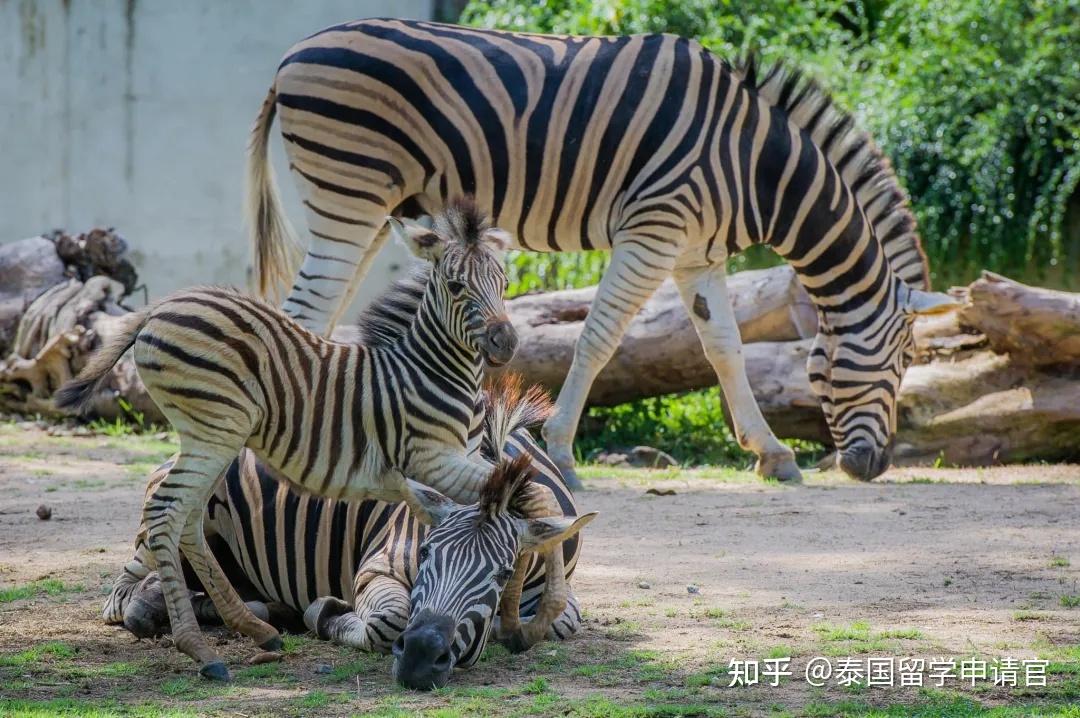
(419, 240)
(427, 504)
(498, 238)
(538, 534)
(920, 302)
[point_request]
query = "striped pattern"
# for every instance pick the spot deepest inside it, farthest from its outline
(648, 146)
(340, 420)
(293, 549)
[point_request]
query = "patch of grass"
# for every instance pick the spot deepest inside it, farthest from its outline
(781, 652)
(35, 655)
(89, 709)
(1059, 562)
(906, 634)
(858, 638)
(623, 631)
(1030, 616)
(1070, 601)
(291, 643)
(314, 699)
(46, 587)
(261, 672)
(365, 663)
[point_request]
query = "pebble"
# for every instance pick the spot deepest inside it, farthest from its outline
(644, 584)
(264, 657)
(693, 588)
(44, 512)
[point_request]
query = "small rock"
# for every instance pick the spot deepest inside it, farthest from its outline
(162, 436)
(44, 512)
(324, 668)
(660, 492)
(693, 588)
(644, 584)
(264, 657)
(652, 458)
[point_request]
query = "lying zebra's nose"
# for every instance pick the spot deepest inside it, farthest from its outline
(422, 658)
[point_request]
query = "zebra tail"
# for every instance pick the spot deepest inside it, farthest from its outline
(510, 408)
(78, 393)
(277, 252)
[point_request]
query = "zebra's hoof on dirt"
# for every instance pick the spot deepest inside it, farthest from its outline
(781, 467)
(216, 671)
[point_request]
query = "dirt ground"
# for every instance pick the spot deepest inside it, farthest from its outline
(929, 563)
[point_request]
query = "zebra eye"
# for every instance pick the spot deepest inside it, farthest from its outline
(455, 287)
(423, 554)
(503, 574)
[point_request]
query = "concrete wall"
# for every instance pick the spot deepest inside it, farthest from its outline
(136, 113)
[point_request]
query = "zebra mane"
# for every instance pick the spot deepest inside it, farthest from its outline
(385, 320)
(462, 221)
(507, 491)
(509, 407)
(855, 156)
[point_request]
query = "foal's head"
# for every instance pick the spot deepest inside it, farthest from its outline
(467, 281)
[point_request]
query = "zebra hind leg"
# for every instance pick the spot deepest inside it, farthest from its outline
(180, 498)
(381, 613)
(229, 606)
(636, 270)
(704, 293)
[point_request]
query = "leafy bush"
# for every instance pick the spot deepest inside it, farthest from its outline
(977, 105)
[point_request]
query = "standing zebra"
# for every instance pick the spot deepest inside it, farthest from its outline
(340, 420)
(648, 146)
(351, 568)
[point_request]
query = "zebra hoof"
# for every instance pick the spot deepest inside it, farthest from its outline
(780, 467)
(216, 671)
(274, 644)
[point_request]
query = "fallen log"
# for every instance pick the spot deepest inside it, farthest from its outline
(1037, 326)
(660, 353)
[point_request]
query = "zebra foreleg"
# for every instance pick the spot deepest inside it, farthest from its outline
(380, 615)
(704, 293)
(635, 272)
(566, 625)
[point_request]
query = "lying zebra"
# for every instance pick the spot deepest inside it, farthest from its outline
(349, 567)
(342, 421)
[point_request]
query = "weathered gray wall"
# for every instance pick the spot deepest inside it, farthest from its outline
(136, 113)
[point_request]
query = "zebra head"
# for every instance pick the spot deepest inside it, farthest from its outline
(465, 561)
(856, 374)
(468, 280)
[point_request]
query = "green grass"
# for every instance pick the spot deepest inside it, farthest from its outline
(364, 664)
(89, 709)
(1025, 615)
(1070, 601)
(46, 587)
(33, 656)
(1059, 562)
(858, 638)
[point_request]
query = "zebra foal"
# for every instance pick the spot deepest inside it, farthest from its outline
(339, 420)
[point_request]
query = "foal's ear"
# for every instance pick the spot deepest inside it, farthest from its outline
(538, 534)
(497, 238)
(420, 240)
(427, 504)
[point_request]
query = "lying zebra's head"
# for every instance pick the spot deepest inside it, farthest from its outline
(465, 561)
(468, 280)
(856, 374)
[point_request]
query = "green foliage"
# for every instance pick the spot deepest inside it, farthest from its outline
(977, 105)
(688, 426)
(546, 272)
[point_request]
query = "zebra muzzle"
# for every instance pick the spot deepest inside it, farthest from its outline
(422, 659)
(499, 342)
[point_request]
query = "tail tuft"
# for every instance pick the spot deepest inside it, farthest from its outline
(78, 394)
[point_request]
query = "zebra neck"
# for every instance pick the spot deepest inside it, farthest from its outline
(823, 233)
(428, 343)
